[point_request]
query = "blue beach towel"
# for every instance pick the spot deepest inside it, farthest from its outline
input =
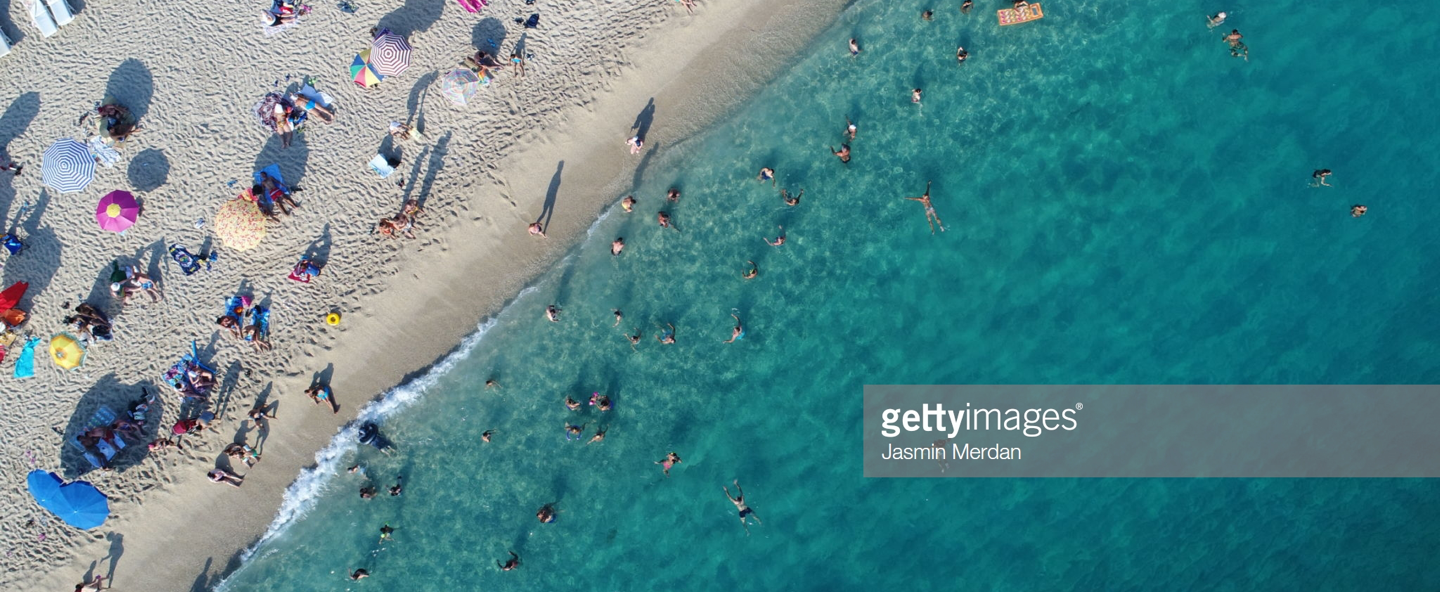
(260, 317)
(25, 364)
(274, 172)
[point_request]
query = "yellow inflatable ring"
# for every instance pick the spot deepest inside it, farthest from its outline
(332, 319)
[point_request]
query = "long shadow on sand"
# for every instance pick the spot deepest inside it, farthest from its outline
(38, 262)
(547, 211)
(641, 127)
(14, 122)
(416, 16)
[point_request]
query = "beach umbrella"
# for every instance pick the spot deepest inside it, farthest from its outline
(78, 503)
(67, 166)
(389, 53)
(66, 351)
(240, 223)
(363, 72)
(459, 86)
(117, 211)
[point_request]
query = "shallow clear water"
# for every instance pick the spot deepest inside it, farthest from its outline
(1125, 203)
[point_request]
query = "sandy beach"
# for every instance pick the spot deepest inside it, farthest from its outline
(549, 144)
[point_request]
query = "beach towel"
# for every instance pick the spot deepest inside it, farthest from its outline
(25, 364)
(42, 19)
(103, 417)
(381, 166)
(260, 317)
(320, 98)
(472, 5)
(188, 262)
(235, 308)
(175, 376)
(304, 271)
(62, 12)
(274, 172)
(102, 151)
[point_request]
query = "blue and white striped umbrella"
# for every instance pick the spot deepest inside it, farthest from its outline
(67, 166)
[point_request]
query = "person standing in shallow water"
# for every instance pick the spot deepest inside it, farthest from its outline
(843, 153)
(754, 271)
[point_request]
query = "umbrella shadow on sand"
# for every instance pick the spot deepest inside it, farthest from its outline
(148, 170)
(38, 262)
(109, 393)
(318, 252)
(416, 16)
(131, 85)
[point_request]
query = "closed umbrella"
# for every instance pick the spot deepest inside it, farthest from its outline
(363, 72)
(78, 503)
(389, 53)
(459, 86)
(117, 211)
(240, 223)
(66, 351)
(67, 166)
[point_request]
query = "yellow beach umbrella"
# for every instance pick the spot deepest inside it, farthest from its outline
(66, 351)
(240, 223)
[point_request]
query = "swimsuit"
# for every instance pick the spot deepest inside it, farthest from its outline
(746, 512)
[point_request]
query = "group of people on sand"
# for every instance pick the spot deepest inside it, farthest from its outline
(90, 323)
(247, 322)
(99, 444)
(270, 194)
(402, 223)
(134, 282)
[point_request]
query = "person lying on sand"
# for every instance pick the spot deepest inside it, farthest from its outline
(242, 452)
(320, 392)
(230, 325)
(277, 196)
(218, 475)
(312, 106)
(163, 444)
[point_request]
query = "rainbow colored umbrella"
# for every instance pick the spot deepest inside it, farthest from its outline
(363, 72)
(117, 211)
(240, 223)
(459, 86)
(390, 53)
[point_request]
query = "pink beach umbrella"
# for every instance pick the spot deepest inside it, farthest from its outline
(117, 211)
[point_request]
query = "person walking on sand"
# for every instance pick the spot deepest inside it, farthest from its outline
(671, 460)
(930, 215)
(754, 271)
(767, 174)
(739, 500)
(843, 153)
(738, 332)
(667, 337)
(537, 230)
(779, 240)
(513, 563)
(518, 62)
(320, 393)
(636, 144)
(1319, 178)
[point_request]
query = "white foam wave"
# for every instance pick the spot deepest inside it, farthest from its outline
(307, 489)
(589, 232)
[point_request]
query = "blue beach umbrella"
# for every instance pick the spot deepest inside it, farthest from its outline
(67, 166)
(78, 503)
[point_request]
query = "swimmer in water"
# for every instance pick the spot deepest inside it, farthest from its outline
(850, 129)
(928, 15)
(915, 96)
(385, 533)
(618, 316)
(1237, 49)
(754, 271)
(490, 383)
(617, 245)
(664, 219)
(536, 230)
(791, 201)
(635, 339)
(930, 215)
(767, 174)
(359, 574)
(1217, 20)
(1319, 177)
(961, 54)
(667, 337)
(485, 436)
(603, 404)
(598, 437)
(673, 194)
(546, 514)
(628, 203)
(552, 312)
(671, 460)
(854, 48)
(966, 6)
(1357, 210)
(843, 153)
(513, 563)
(367, 492)
(396, 489)
(572, 404)
(779, 240)
(572, 432)
(738, 332)
(739, 500)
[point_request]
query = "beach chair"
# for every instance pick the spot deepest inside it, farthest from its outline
(42, 18)
(381, 166)
(104, 417)
(4, 44)
(62, 12)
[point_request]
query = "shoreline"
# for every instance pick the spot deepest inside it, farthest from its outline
(484, 260)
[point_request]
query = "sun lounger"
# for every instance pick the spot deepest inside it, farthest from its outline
(42, 18)
(381, 166)
(4, 44)
(104, 417)
(62, 12)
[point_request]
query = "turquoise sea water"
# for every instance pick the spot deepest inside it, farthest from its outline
(1125, 203)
